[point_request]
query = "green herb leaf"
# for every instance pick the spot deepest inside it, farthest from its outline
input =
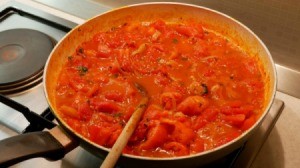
(115, 75)
(82, 70)
(80, 50)
(117, 115)
(184, 58)
(70, 57)
(205, 89)
(175, 41)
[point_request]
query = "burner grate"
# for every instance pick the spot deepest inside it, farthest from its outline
(36, 122)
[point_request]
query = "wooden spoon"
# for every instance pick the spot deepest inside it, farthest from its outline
(128, 130)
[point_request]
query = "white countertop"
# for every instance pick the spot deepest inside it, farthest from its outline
(281, 150)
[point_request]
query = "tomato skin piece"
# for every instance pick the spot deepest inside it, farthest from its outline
(193, 105)
(186, 30)
(115, 68)
(75, 124)
(229, 136)
(237, 119)
(218, 92)
(159, 25)
(77, 84)
(113, 137)
(176, 148)
(155, 137)
(183, 134)
(104, 118)
(209, 73)
(124, 60)
(170, 99)
(153, 113)
(103, 51)
(99, 38)
(104, 106)
(199, 123)
(197, 146)
(179, 132)
(93, 91)
(200, 30)
(158, 47)
(140, 132)
(70, 111)
(251, 66)
(128, 113)
(85, 112)
(246, 110)
(249, 122)
(235, 104)
(104, 133)
(210, 114)
(99, 134)
(114, 95)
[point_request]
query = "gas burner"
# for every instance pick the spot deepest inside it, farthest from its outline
(23, 54)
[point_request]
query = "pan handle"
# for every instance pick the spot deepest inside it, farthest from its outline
(52, 145)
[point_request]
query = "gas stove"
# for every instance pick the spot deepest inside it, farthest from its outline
(28, 21)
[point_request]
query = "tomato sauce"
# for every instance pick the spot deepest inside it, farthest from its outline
(204, 90)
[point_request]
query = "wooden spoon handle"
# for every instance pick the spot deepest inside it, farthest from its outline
(122, 140)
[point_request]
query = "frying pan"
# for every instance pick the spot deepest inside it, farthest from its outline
(54, 144)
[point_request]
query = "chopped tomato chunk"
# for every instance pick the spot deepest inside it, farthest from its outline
(85, 112)
(105, 106)
(197, 145)
(177, 148)
(155, 137)
(249, 122)
(70, 111)
(236, 119)
(193, 105)
(183, 134)
(186, 30)
(103, 51)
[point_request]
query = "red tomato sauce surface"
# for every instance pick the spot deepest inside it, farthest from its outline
(204, 90)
